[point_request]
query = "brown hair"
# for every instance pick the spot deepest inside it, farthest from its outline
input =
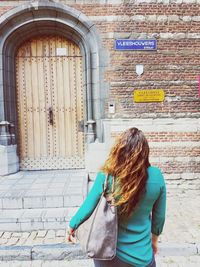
(128, 162)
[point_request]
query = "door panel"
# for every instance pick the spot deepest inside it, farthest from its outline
(50, 104)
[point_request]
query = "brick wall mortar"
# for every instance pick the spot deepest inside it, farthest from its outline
(171, 7)
(174, 151)
(181, 145)
(168, 137)
(174, 167)
(108, 2)
(148, 9)
(141, 18)
(174, 29)
(166, 36)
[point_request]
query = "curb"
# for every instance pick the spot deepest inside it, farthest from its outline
(42, 252)
(171, 249)
(73, 251)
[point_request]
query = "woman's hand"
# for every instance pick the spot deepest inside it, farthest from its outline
(70, 235)
(155, 243)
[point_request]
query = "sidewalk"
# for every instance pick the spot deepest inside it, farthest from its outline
(193, 261)
(179, 243)
(32, 200)
(182, 226)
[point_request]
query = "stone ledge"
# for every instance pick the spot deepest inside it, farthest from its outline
(57, 252)
(20, 253)
(70, 252)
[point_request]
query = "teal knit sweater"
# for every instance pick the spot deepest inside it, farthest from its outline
(134, 237)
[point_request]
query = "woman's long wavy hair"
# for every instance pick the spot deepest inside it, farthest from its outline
(128, 162)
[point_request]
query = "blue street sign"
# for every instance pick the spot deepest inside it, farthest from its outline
(127, 44)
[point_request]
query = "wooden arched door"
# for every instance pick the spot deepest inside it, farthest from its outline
(50, 104)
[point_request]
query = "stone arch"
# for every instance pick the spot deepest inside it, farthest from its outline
(44, 17)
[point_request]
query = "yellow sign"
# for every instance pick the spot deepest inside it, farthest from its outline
(154, 95)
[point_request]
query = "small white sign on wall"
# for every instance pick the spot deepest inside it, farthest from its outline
(139, 69)
(61, 51)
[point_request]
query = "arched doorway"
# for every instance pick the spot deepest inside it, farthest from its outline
(47, 18)
(50, 104)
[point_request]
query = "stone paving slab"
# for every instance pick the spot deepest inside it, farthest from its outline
(66, 251)
(41, 252)
(15, 253)
(33, 189)
(35, 219)
(57, 252)
(193, 261)
(182, 220)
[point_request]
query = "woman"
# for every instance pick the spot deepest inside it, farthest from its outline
(140, 197)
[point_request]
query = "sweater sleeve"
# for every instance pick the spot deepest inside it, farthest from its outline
(159, 210)
(90, 202)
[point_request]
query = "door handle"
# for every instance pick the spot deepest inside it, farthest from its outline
(51, 115)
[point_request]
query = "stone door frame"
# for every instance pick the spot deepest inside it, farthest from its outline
(29, 20)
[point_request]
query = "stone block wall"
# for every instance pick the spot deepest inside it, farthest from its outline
(174, 147)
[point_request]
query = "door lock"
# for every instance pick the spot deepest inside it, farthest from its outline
(81, 126)
(51, 115)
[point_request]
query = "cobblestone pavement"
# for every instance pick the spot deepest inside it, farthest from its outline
(193, 261)
(182, 226)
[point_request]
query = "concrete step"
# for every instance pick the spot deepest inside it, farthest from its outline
(40, 200)
(35, 219)
(43, 189)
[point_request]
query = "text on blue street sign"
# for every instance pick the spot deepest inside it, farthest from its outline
(127, 44)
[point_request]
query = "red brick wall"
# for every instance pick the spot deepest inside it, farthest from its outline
(174, 67)
(170, 136)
